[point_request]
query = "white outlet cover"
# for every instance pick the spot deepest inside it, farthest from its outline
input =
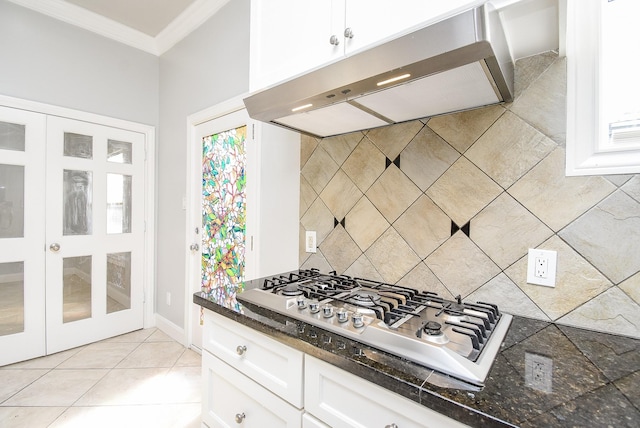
(310, 241)
(552, 257)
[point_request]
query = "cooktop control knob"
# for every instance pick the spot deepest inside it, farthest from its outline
(342, 315)
(314, 307)
(327, 311)
(302, 303)
(358, 320)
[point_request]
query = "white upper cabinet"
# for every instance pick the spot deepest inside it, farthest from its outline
(290, 37)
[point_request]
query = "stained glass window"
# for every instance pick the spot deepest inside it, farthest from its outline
(224, 216)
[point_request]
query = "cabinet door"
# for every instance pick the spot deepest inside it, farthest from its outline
(376, 21)
(341, 399)
(231, 399)
(268, 362)
(289, 37)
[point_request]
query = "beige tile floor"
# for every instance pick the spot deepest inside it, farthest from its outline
(141, 379)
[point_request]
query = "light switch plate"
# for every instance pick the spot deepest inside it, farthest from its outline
(541, 267)
(310, 241)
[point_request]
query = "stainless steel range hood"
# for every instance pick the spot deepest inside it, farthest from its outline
(460, 63)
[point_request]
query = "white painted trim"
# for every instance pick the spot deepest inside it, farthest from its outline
(585, 154)
(150, 141)
(192, 17)
(221, 109)
(170, 329)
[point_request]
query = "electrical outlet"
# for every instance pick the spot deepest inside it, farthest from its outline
(538, 372)
(310, 241)
(168, 298)
(541, 268)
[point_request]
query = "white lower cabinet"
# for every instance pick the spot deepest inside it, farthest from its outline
(252, 380)
(341, 399)
(231, 399)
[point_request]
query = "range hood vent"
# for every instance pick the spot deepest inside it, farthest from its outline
(460, 63)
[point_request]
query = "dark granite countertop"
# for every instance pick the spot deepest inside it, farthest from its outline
(595, 379)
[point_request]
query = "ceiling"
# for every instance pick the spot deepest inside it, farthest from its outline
(147, 16)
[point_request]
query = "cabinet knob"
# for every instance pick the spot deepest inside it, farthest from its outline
(55, 247)
(334, 40)
(348, 33)
(388, 426)
(241, 349)
(239, 418)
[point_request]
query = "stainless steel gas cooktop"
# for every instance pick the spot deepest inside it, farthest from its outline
(454, 337)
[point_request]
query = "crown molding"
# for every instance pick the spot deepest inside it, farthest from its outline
(192, 17)
(189, 20)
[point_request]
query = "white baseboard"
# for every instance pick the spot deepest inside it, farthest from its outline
(170, 329)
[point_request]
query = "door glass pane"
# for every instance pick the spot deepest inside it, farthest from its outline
(118, 203)
(12, 136)
(11, 298)
(119, 151)
(78, 146)
(11, 201)
(223, 215)
(78, 195)
(118, 282)
(76, 288)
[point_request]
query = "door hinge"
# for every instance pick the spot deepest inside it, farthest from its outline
(252, 243)
(253, 131)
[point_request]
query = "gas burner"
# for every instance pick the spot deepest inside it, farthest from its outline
(290, 290)
(432, 328)
(364, 298)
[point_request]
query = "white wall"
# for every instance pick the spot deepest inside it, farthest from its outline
(46, 60)
(211, 65)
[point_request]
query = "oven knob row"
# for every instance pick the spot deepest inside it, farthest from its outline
(328, 311)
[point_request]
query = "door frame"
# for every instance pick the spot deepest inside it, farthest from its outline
(149, 183)
(193, 171)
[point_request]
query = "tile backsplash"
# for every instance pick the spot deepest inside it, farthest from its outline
(453, 203)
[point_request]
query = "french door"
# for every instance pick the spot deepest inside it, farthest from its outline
(71, 250)
(221, 211)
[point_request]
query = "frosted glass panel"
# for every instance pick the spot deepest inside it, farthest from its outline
(118, 282)
(11, 201)
(119, 151)
(118, 203)
(78, 146)
(78, 195)
(12, 136)
(11, 298)
(76, 288)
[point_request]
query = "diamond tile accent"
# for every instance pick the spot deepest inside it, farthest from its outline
(509, 298)
(340, 250)
(391, 140)
(426, 158)
(462, 129)
(555, 199)
(543, 105)
(318, 218)
(393, 193)
(509, 149)
(319, 169)
(576, 281)
(391, 256)
(365, 223)
(612, 311)
(463, 191)
(340, 195)
(421, 278)
(608, 236)
(461, 265)
(365, 164)
(341, 146)
(505, 230)
(424, 226)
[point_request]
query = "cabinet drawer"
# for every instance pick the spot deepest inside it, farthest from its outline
(231, 399)
(341, 399)
(275, 366)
